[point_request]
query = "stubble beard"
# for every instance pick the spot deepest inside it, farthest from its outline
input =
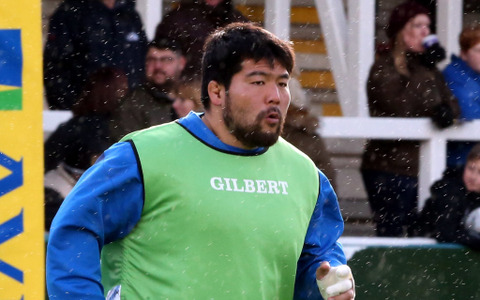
(168, 83)
(252, 135)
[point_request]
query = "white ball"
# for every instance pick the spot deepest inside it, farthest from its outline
(473, 220)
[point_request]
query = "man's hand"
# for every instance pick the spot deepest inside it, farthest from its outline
(335, 283)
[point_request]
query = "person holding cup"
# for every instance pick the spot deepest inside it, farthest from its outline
(403, 82)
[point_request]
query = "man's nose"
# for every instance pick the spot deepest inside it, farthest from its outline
(273, 93)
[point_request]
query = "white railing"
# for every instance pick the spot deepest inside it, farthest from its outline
(433, 141)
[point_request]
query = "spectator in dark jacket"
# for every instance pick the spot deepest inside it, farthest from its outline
(151, 103)
(85, 35)
(91, 116)
(191, 22)
(76, 144)
(403, 82)
(452, 213)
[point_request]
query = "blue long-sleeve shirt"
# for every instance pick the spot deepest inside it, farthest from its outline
(465, 85)
(107, 203)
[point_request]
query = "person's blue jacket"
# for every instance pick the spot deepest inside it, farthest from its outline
(464, 83)
(109, 197)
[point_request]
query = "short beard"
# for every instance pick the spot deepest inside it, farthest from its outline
(168, 85)
(252, 135)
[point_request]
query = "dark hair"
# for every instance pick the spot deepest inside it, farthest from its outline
(401, 14)
(469, 37)
(474, 153)
(166, 43)
(228, 47)
(99, 94)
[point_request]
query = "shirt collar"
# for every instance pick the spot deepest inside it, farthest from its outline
(193, 123)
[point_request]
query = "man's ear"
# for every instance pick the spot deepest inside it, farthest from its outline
(182, 62)
(216, 92)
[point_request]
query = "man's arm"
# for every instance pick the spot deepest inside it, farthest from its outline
(104, 206)
(321, 243)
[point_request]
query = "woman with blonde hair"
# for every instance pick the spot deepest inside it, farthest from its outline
(403, 82)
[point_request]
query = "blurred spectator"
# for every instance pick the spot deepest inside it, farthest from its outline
(75, 145)
(188, 99)
(452, 213)
(60, 181)
(85, 35)
(403, 82)
(463, 78)
(151, 103)
(191, 22)
(301, 127)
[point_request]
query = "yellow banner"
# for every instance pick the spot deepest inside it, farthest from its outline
(21, 151)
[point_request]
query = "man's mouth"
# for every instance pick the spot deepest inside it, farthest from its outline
(273, 116)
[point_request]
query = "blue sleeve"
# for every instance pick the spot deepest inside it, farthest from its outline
(321, 244)
(104, 206)
(465, 96)
(467, 91)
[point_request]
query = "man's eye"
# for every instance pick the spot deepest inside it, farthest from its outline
(283, 84)
(258, 83)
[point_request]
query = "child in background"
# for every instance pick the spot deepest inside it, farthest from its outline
(187, 99)
(452, 213)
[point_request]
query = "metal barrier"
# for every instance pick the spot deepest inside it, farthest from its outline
(412, 268)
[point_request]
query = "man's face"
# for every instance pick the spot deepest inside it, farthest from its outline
(471, 175)
(162, 66)
(472, 57)
(256, 103)
(416, 29)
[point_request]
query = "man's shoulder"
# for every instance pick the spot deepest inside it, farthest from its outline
(135, 97)
(292, 151)
(148, 92)
(157, 133)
